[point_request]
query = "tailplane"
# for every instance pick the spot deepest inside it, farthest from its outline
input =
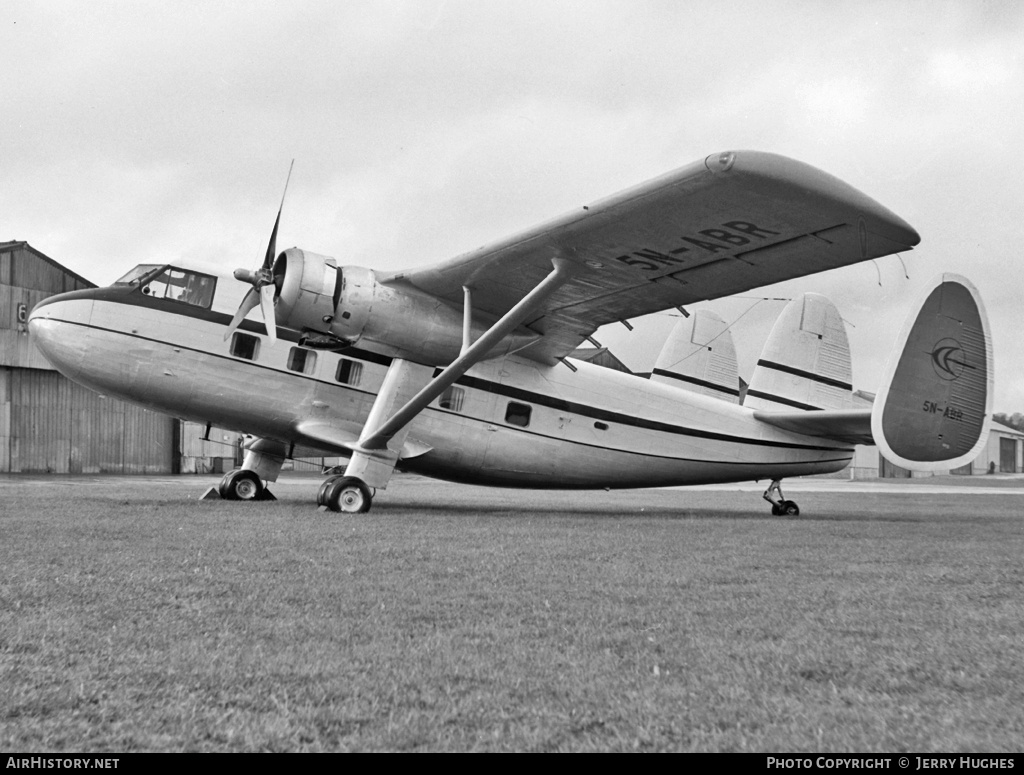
(805, 363)
(699, 356)
(934, 407)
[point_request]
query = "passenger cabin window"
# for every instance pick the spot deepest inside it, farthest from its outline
(452, 399)
(301, 360)
(518, 414)
(170, 282)
(349, 372)
(245, 346)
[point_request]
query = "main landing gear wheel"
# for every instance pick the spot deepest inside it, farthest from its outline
(321, 495)
(346, 494)
(241, 485)
(780, 506)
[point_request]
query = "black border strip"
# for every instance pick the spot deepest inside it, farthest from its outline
(595, 413)
(785, 401)
(805, 374)
(695, 381)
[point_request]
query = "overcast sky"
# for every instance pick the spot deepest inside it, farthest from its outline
(162, 131)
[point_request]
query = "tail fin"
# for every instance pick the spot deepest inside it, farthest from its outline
(805, 363)
(699, 355)
(934, 408)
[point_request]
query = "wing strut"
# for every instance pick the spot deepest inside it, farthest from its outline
(467, 318)
(372, 461)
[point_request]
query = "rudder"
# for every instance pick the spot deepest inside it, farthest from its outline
(934, 409)
(805, 363)
(699, 355)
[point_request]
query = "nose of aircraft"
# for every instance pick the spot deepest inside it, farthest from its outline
(57, 325)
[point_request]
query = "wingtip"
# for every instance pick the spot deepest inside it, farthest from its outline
(775, 170)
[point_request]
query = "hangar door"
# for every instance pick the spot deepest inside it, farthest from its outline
(56, 426)
(887, 470)
(1008, 456)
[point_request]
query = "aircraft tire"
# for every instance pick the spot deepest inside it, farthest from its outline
(222, 487)
(348, 495)
(241, 485)
(790, 509)
(321, 495)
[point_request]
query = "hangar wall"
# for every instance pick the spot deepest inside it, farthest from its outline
(49, 424)
(56, 426)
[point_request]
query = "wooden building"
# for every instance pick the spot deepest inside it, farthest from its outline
(49, 424)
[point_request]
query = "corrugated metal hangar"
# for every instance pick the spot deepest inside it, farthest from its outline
(49, 424)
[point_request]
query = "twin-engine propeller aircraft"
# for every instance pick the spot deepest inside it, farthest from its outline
(466, 370)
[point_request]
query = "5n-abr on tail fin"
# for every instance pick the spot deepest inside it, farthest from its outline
(934, 407)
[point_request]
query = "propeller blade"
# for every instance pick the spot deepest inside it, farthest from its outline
(252, 298)
(267, 307)
(268, 261)
(263, 282)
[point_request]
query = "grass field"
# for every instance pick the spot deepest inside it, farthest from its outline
(135, 618)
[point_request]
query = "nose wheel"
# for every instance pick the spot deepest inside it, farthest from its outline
(780, 506)
(346, 494)
(241, 484)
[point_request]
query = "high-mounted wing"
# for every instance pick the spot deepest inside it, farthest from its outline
(728, 223)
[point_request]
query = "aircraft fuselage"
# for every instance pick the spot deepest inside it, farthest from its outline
(508, 422)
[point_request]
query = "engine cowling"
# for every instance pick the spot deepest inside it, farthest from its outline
(348, 303)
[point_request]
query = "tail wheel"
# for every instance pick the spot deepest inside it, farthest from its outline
(348, 495)
(241, 485)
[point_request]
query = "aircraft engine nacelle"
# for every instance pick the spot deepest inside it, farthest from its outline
(351, 305)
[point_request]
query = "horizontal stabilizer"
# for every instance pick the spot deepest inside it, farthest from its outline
(852, 426)
(933, 410)
(699, 355)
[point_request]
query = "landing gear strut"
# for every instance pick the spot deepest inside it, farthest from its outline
(780, 506)
(347, 494)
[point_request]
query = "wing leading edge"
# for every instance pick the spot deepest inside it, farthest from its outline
(728, 223)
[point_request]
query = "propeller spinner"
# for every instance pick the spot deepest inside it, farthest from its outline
(264, 285)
